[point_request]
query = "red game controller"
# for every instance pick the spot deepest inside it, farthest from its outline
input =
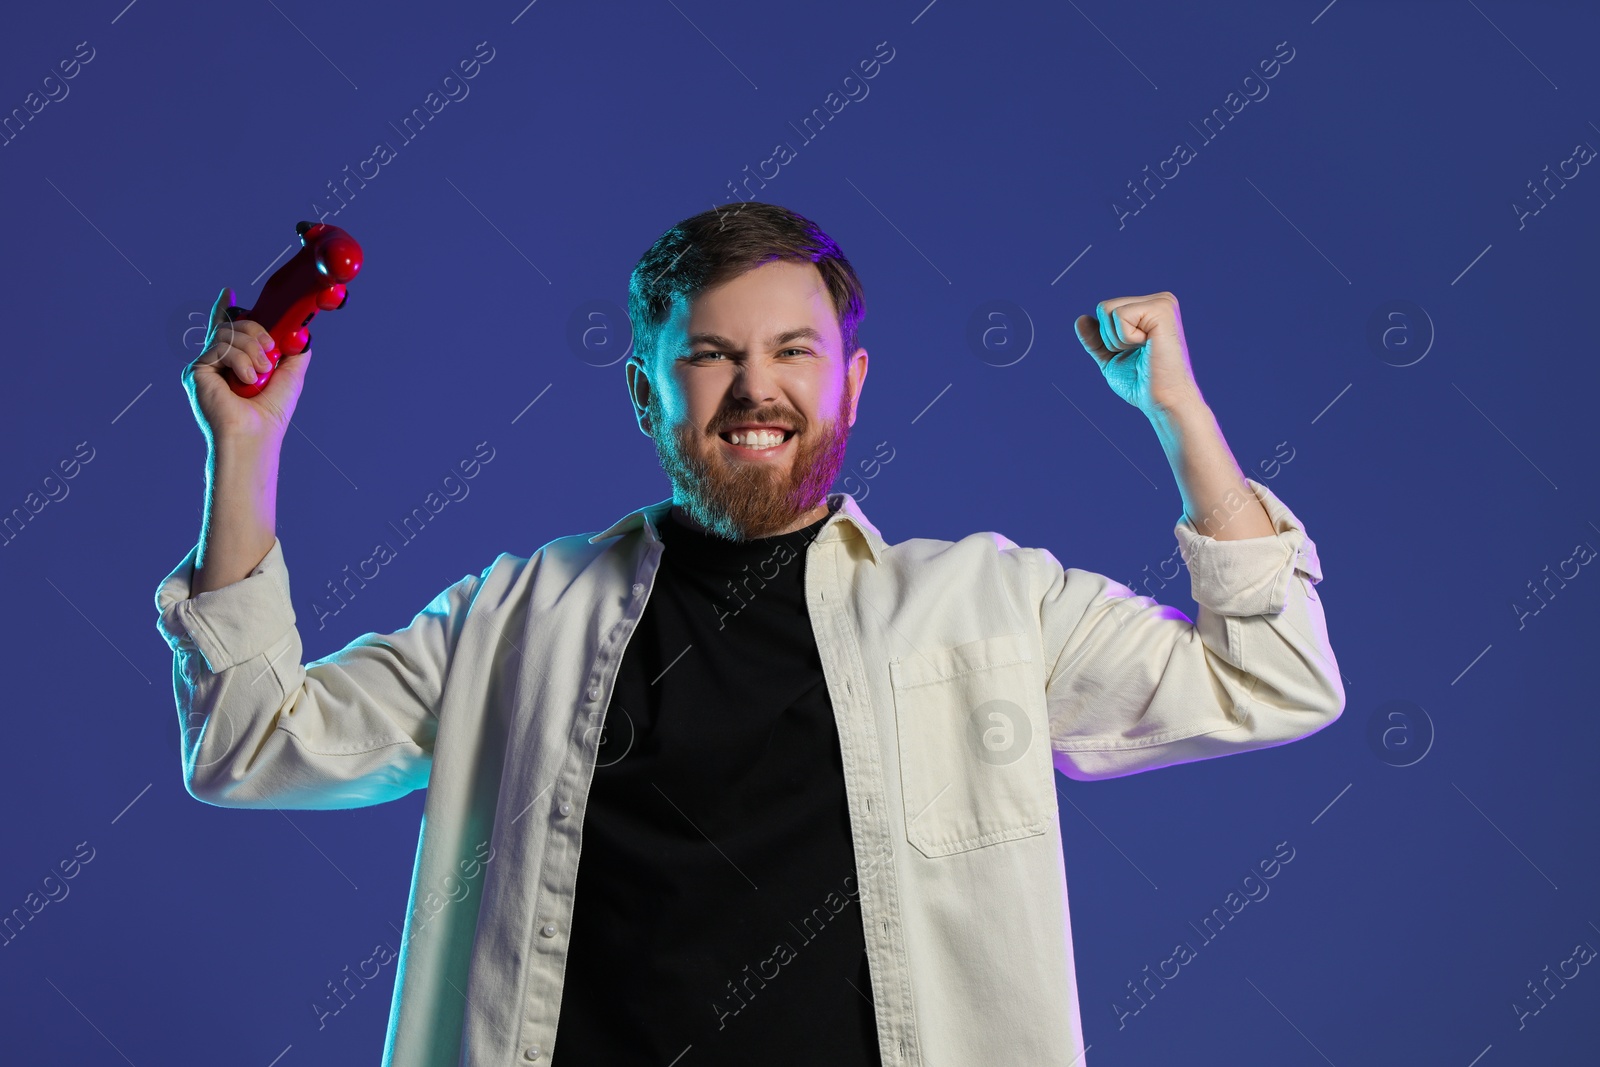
(312, 281)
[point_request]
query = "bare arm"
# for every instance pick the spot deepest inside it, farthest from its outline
(241, 511)
(1139, 345)
(261, 727)
(1215, 497)
(245, 438)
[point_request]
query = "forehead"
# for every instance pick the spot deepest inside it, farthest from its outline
(758, 304)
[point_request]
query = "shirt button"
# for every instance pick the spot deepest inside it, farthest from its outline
(638, 589)
(548, 930)
(594, 692)
(532, 1053)
(565, 808)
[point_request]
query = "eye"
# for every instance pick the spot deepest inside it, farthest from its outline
(708, 353)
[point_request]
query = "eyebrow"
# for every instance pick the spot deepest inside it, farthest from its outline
(796, 334)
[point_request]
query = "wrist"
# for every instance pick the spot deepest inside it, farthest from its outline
(237, 449)
(1181, 413)
(242, 484)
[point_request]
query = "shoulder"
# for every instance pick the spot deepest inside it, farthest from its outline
(986, 554)
(562, 559)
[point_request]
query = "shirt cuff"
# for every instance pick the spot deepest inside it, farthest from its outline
(1251, 575)
(230, 625)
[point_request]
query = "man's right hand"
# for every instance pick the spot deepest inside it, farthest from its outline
(241, 348)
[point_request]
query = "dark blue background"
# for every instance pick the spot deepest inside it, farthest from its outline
(983, 162)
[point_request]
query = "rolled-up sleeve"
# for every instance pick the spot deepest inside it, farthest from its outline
(261, 729)
(1134, 684)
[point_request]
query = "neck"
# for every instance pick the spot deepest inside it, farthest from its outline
(801, 521)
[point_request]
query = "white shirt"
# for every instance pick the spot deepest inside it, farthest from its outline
(962, 676)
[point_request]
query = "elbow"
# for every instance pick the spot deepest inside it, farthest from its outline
(204, 796)
(1316, 688)
(1320, 704)
(1333, 697)
(225, 791)
(206, 787)
(221, 783)
(1288, 707)
(1337, 708)
(1088, 765)
(226, 755)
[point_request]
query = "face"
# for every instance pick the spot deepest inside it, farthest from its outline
(763, 349)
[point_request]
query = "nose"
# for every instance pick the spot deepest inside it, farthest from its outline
(756, 383)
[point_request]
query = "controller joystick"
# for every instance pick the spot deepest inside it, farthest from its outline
(313, 280)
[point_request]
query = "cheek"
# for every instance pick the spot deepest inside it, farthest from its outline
(817, 400)
(834, 403)
(694, 401)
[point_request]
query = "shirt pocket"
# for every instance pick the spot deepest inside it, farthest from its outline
(974, 745)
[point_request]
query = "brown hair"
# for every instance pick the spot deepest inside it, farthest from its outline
(718, 245)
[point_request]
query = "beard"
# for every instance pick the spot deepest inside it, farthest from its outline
(741, 500)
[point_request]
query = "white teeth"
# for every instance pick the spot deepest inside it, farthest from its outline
(756, 438)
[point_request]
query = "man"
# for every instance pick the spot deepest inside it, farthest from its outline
(808, 772)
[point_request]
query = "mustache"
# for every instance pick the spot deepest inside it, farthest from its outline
(791, 419)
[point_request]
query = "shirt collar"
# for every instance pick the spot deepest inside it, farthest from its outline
(846, 521)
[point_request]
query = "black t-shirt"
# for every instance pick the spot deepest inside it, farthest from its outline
(716, 905)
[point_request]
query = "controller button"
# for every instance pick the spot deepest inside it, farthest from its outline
(332, 297)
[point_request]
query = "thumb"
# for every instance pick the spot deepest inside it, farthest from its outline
(219, 310)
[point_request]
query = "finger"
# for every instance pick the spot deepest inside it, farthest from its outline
(242, 328)
(217, 351)
(243, 358)
(266, 346)
(1118, 320)
(243, 364)
(250, 336)
(1089, 336)
(1113, 334)
(291, 370)
(219, 310)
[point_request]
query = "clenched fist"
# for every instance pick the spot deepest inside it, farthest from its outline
(241, 348)
(1138, 343)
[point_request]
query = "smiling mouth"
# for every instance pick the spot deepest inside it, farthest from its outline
(746, 450)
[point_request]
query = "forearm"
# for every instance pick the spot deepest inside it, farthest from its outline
(241, 512)
(1215, 497)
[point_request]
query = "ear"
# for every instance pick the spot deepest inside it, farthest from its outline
(639, 394)
(857, 373)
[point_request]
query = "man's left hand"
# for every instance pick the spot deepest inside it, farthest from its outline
(1138, 342)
